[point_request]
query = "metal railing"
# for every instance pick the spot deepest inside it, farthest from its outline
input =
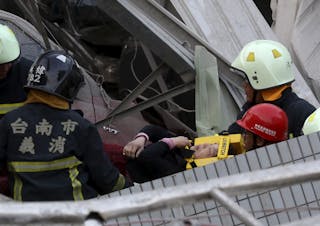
(221, 189)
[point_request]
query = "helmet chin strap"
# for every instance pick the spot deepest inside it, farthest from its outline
(254, 142)
(257, 144)
(254, 99)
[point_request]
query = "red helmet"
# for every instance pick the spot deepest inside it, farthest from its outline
(267, 121)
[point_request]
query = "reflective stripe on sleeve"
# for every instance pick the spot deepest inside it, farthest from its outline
(5, 108)
(120, 183)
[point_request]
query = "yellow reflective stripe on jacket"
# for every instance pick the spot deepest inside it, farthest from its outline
(120, 183)
(5, 108)
(76, 185)
(33, 167)
(17, 188)
(70, 163)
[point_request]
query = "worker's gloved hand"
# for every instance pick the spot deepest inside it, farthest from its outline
(181, 141)
(134, 147)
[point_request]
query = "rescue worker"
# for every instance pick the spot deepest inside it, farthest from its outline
(312, 123)
(51, 151)
(13, 76)
(263, 124)
(267, 67)
(13, 71)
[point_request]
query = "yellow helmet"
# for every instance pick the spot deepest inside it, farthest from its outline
(266, 64)
(9, 45)
(312, 123)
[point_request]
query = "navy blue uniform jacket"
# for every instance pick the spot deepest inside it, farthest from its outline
(296, 108)
(54, 154)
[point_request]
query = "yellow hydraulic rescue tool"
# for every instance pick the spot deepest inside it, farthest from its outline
(228, 146)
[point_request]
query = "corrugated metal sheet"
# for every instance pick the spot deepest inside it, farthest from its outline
(296, 23)
(305, 42)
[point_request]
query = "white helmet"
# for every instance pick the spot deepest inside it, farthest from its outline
(266, 64)
(9, 45)
(312, 123)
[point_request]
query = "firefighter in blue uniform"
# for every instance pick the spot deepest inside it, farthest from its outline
(13, 71)
(268, 69)
(312, 123)
(52, 153)
(13, 76)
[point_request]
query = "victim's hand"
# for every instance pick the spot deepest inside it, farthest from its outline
(134, 147)
(181, 141)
